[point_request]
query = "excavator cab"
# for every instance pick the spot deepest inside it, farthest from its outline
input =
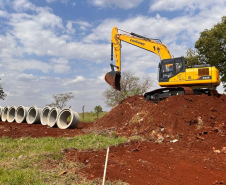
(169, 68)
(113, 78)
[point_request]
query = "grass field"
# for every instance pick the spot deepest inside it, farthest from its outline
(40, 160)
(90, 116)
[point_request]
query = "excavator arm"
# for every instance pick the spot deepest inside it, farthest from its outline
(153, 45)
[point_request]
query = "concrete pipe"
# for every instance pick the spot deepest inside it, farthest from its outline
(33, 115)
(4, 113)
(44, 115)
(63, 117)
(52, 117)
(21, 113)
(11, 114)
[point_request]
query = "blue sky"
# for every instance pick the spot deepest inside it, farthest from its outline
(55, 46)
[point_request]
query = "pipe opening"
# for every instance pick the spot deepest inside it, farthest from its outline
(20, 115)
(44, 115)
(52, 117)
(11, 114)
(32, 115)
(65, 118)
(4, 113)
(68, 119)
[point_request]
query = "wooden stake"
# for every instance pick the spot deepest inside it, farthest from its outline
(105, 166)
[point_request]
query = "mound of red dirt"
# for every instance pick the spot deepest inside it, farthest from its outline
(173, 117)
(189, 142)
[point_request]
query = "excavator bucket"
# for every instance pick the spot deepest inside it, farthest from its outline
(113, 79)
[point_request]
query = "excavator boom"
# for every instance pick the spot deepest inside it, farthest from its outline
(152, 45)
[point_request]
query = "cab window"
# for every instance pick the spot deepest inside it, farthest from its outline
(178, 66)
(167, 71)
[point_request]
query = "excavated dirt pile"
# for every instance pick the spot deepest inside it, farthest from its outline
(175, 116)
(185, 142)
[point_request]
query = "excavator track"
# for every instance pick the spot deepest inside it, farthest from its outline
(163, 93)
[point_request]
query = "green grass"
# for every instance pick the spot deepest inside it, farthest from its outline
(91, 116)
(27, 160)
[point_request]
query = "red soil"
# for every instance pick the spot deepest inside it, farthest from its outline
(17, 130)
(184, 140)
(152, 163)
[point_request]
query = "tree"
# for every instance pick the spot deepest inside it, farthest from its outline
(98, 109)
(61, 100)
(2, 93)
(192, 58)
(211, 47)
(130, 85)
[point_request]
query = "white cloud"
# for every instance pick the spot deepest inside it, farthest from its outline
(61, 1)
(3, 14)
(74, 81)
(191, 5)
(36, 33)
(43, 34)
(60, 65)
(25, 77)
(125, 4)
(21, 5)
(179, 29)
(20, 65)
(70, 28)
(83, 25)
(28, 90)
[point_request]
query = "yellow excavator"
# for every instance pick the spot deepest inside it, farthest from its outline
(173, 74)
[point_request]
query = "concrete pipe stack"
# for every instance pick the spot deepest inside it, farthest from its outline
(52, 117)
